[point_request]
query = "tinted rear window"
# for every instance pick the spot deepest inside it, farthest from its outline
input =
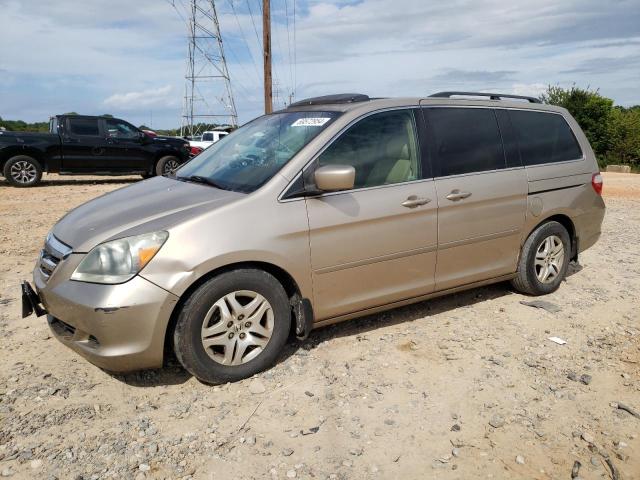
(465, 140)
(543, 137)
(84, 126)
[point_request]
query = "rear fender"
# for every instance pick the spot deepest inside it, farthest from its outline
(7, 153)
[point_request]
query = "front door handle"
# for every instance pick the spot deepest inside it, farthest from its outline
(456, 195)
(414, 201)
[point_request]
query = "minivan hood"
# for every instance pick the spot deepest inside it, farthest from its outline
(147, 206)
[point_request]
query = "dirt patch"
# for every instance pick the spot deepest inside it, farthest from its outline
(621, 185)
(465, 386)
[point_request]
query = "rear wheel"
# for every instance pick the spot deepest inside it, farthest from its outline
(23, 171)
(544, 260)
(167, 165)
(233, 326)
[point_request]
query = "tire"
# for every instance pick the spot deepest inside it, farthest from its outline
(167, 165)
(231, 359)
(530, 277)
(23, 171)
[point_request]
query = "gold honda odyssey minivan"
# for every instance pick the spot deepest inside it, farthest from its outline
(334, 208)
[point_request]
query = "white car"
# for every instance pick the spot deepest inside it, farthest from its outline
(208, 139)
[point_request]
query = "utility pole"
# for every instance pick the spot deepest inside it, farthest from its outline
(266, 49)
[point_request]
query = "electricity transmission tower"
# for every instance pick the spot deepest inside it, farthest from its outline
(208, 96)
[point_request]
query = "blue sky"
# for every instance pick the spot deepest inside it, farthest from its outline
(128, 58)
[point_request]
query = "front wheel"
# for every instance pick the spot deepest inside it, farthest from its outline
(23, 171)
(233, 326)
(544, 260)
(167, 165)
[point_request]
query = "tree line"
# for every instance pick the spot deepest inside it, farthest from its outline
(613, 131)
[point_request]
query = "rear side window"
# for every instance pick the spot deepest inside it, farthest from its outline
(465, 140)
(84, 126)
(544, 137)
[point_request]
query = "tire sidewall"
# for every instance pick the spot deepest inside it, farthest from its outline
(187, 336)
(159, 171)
(22, 158)
(544, 231)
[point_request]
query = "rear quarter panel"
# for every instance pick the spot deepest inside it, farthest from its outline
(564, 188)
(44, 147)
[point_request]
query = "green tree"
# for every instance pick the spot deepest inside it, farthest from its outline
(592, 111)
(624, 135)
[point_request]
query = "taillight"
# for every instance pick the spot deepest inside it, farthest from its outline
(596, 183)
(195, 151)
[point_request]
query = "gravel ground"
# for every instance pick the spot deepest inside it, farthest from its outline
(465, 386)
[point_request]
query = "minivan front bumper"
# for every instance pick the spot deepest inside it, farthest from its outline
(117, 327)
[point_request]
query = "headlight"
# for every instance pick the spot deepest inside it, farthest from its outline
(119, 260)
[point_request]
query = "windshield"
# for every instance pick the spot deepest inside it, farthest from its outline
(247, 158)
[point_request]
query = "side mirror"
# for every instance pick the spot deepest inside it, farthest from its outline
(331, 178)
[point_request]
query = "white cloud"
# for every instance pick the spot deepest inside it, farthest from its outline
(72, 59)
(528, 89)
(152, 97)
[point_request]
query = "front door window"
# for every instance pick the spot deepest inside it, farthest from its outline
(381, 147)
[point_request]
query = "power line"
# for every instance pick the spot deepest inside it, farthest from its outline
(246, 43)
(253, 22)
(275, 68)
(255, 29)
(286, 13)
(295, 46)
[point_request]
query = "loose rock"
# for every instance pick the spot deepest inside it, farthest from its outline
(256, 387)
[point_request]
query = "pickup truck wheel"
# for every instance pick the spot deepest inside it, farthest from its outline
(233, 326)
(167, 165)
(23, 171)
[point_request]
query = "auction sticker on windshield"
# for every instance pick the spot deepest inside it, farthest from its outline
(310, 122)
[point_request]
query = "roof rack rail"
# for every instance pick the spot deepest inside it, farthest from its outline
(329, 99)
(492, 96)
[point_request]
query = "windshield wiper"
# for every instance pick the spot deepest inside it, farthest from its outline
(203, 180)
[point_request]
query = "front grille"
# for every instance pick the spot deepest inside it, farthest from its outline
(53, 252)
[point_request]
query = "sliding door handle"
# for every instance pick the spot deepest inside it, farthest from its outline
(413, 201)
(456, 195)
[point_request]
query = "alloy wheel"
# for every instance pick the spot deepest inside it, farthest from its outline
(549, 259)
(170, 167)
(23, 172)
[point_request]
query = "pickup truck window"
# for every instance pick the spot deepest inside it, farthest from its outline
(207, 137)
(119, 129)
(84, 126)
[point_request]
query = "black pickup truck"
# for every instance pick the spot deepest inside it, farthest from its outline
(86, 145)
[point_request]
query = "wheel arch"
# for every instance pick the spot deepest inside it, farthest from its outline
(162, 154)
(165, 153)
(567, 223)
(9, 152)
(286, 280)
